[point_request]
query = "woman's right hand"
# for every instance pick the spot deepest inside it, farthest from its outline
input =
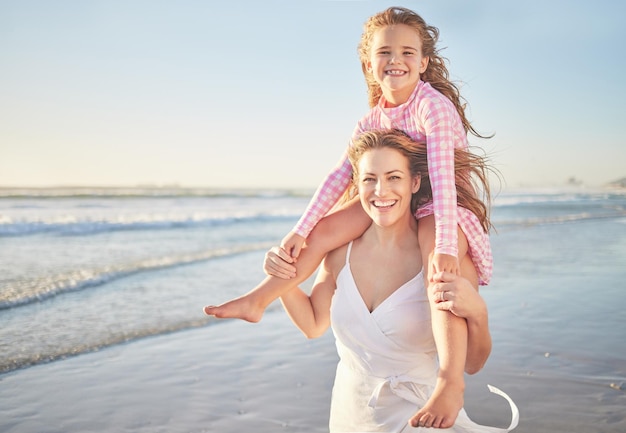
(278, 264)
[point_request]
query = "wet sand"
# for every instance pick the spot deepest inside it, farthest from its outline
(235, 376)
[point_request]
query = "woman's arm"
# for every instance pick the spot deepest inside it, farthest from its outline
(311, 314)
(478, 342)
(457, 295)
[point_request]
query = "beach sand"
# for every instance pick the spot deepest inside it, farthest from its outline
(228, 377)
(267, 377)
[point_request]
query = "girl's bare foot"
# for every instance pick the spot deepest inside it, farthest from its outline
(243, 308)
(443, 406)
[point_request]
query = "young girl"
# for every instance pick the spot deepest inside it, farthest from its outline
(409, 90)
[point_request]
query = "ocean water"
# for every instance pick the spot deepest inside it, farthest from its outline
(84, 269)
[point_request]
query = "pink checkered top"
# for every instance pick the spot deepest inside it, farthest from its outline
(426, 116)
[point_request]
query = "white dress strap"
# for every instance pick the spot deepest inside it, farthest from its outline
(348, 253)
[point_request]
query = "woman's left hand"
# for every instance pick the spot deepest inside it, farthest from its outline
(456, 294)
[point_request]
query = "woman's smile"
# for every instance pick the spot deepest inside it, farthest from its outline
(383, 204)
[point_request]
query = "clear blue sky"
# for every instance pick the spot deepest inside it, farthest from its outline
(266, 93)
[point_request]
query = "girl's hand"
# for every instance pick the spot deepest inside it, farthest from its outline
(277, 264)
(444, 263)
(292, 244)
(457, 295)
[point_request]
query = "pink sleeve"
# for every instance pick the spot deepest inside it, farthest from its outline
(330, 190)
(326, 196)
(439, 124)
(479, 247)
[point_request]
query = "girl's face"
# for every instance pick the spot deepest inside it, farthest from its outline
(396, 62)
(385, 185)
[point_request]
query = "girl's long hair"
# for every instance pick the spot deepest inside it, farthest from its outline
(436, 73)
(471, 171)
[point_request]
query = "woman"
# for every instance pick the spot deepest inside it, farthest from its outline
(372, 292)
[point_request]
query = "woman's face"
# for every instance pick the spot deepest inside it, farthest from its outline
(385, 185)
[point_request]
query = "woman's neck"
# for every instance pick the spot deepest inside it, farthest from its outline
(397, 235)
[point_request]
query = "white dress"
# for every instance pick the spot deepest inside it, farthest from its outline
(387, 361)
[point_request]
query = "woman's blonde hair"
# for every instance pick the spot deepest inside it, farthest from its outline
(470, 171)
(436, 73)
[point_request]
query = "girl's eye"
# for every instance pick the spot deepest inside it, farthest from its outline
(368, 179)
(394, 177)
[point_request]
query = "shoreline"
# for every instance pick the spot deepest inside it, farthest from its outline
(236, 376)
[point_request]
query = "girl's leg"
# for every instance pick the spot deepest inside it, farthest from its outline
(333, 231)
(450, 334)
